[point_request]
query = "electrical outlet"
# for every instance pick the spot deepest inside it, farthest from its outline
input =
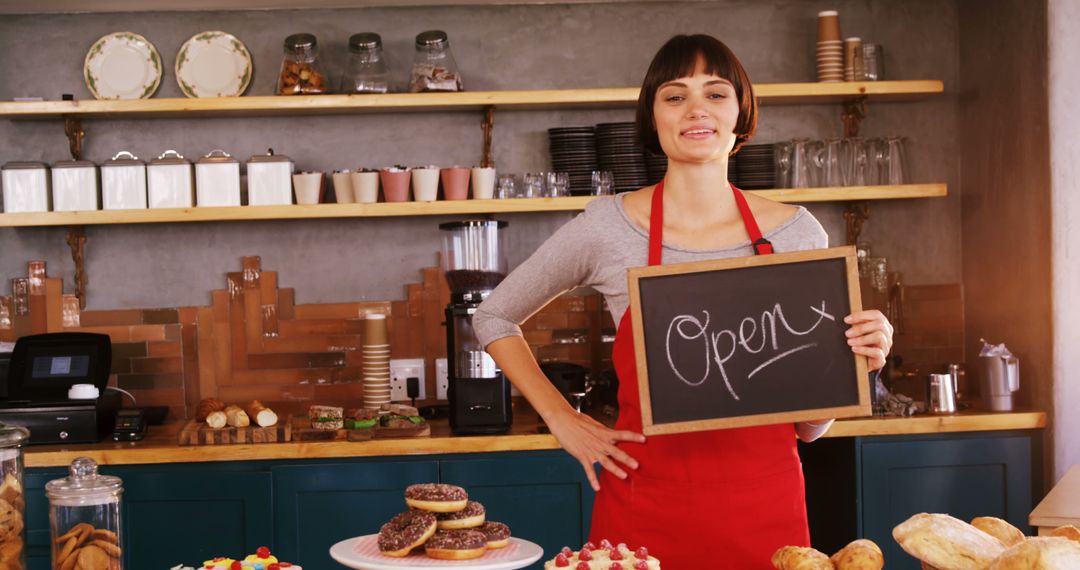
(442, 378)
(400, 370)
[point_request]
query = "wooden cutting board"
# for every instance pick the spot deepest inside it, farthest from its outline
(198, 433)
(302, 431)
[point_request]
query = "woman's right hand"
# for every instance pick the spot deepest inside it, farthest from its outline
(590, 442)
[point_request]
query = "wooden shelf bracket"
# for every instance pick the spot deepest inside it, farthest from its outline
(75, 134)
(76, 240)
(488, 125)
(856, 214)
(853, 115)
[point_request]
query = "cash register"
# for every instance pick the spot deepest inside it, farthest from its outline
(55, 386)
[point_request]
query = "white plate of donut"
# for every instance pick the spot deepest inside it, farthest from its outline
(362, 553)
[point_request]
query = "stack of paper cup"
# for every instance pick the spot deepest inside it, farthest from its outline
(376, 370)
(853, 59)
(830, 48)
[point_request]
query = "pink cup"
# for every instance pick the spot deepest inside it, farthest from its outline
(455, 181)
(395, 184)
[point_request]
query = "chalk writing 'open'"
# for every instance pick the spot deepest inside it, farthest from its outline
(716, 349)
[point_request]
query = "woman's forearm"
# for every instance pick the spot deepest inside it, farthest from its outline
(516, 360)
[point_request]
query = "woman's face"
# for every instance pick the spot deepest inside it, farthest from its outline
(696, 116)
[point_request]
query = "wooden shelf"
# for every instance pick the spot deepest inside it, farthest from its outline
(768, 94)
(441, 208)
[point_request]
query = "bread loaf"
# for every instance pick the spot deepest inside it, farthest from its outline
(999, 529)
(861, 554)
(947, 543)
(216, 419)
(800, 558)
(261, 415)
(1040, 553)
(1068, 531)
(206, 406)
(236, 417)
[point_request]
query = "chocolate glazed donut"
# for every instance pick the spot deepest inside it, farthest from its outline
(496, 533)
(462, 544)
(470, 517)
(405, 532)
(436, 497)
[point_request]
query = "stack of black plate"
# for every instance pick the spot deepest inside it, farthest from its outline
(755, 169)
(573, 151)
(656, 166)
(617, 150)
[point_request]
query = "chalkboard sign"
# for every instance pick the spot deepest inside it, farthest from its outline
(747, 341)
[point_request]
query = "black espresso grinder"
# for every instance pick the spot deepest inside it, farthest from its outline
(474, 259)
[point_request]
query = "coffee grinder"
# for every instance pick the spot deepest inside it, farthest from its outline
(473, 257)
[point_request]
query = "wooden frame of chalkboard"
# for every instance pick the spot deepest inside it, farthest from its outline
(747, 341)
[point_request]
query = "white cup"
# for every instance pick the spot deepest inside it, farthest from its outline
(483, 183)
(308, 187)
(425, 183)
(365, 187)
(343, 189)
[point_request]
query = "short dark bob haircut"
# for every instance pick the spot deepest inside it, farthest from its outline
(677, 58)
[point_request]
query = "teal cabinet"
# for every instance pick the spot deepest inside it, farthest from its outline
(38, 553)
(316, 506)
(545, 498)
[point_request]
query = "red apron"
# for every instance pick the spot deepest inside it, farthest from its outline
(714, 499)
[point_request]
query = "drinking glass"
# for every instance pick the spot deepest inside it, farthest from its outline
(815, 150)
(832, 163)
(873, 57)
(557, 184)
(875, 161)
(532, 185)
(896, 161)
(878, 267)
(507, 187)
(601, 182)
(782, 153)
(858, 162)
(801, 167)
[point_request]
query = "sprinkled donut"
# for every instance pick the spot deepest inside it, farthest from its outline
(436, 497)
(496, 533)
(470, 517)
(461, 544)
(405, 532)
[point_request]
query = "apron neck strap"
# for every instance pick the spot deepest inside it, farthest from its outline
(761, 245)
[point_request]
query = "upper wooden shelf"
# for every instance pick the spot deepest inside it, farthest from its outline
(768, 94)
(393, 209)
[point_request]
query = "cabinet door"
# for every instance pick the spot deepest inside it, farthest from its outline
(38, 553)
(965, 477)
(173, 517)
(544, 498)
(316, 506)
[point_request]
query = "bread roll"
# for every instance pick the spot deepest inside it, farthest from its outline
(999, 529)
(216, 420)
(1068, 531)
(236, 417)
(800, 558)
(261, 415)
(861, 554)
(1040, 553)
(947, 543)
(206, 406)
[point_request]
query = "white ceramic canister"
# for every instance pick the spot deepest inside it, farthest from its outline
(170, 181)
(269, 179)
(26, 187)
(217, 180)
(123, 182)
(75, 186)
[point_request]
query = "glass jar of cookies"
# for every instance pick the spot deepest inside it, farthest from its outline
(84, 517)
(12, 503)
(301, 71)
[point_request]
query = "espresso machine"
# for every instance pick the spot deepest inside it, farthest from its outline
(474, 260)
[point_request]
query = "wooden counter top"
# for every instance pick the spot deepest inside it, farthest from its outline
(160, 445)
(1061, 506)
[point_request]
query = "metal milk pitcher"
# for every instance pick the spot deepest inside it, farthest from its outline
(941, 394)
(999, 379)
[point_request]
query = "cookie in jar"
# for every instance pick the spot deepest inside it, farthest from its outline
(12, 502)
(301, 71)
(84, 519)
(434, 68)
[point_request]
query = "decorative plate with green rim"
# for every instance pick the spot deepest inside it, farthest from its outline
(122, 65)
(213, 64)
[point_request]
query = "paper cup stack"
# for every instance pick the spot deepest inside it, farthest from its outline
(830, 48)
(376, 352)
(853, 60)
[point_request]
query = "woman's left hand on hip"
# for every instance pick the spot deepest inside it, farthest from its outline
(870, 335)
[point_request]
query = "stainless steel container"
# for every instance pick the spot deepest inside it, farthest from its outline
(75, 186)
(941, 394)
(170, 181)
(999, 379)
(123, 182)
(269, 180)
(26, 187)
(217, 180)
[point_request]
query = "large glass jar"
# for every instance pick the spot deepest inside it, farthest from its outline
(84, 518)
(367, 70)
(301, 72)
(12, 502)
(434, 68)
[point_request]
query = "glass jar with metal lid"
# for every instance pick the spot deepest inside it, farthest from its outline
(84, 518)
(301, 71)
(12, 500)
(434, 68)
(367, 70)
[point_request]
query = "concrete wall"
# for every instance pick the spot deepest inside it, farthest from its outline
(497, 47)
(1005, 188)
(1064, 32)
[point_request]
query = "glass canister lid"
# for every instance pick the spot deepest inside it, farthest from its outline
(84, 485)
(301, 41)
(431, 38)
(12, 435)
(364, 41)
